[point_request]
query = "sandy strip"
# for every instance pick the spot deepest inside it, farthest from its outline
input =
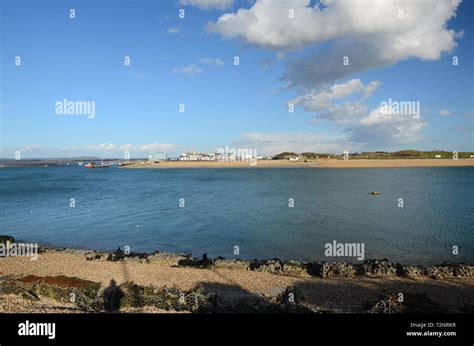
(328, 163)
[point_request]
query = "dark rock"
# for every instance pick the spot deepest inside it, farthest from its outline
(412, 272)
(6, 240)
(439, 272)
(221, 262)
(137, 256)
(205, 262)
(92, 256)
(315, 269)
(116, 256)
(379, 268)
(337, 270)
(187, 262)
(463, 270)
(295, 268)
(168, 258)
(119, 255)
(274, 266)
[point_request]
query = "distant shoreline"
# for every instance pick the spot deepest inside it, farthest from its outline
(327, 163)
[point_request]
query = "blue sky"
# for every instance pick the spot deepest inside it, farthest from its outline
(190, 61)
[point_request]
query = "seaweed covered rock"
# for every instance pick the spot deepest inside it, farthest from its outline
(120, 255)
(274, 266)
(170, 259)
(460, 270)
(412, 272)
(117, 255)
(329, 269)
(221, 262)
(463, 270)
(439, 272)
(187, 262)
(379, 268)
(295, 268)
(203, 263)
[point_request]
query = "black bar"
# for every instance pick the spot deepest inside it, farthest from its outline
(291, 329)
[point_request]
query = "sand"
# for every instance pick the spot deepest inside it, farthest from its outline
(327, 163)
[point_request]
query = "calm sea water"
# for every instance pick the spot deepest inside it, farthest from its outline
(247, 208)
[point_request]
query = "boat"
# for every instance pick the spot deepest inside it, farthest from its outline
(374, 193)
(94, 165)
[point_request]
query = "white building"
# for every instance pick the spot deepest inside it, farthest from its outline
(196, 157)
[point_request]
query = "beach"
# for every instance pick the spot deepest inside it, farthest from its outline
(235, 285)
(326, 163)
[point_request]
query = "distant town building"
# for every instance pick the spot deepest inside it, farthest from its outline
(197, 157)
(238, 155)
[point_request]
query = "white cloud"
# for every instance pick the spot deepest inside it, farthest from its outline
(267, 24)
(208, 4)
(378, 127)
(137, 149)
(343, 114)
(154, 147)
(103, 150)
(210, 61)
(277, 142)
(371, 33)
(102, 147)
(382, 126)
(318, 100)
(444, 112)
(174, 30)
(190, 70)
(30, 147)
(195, 69)
(126, 147)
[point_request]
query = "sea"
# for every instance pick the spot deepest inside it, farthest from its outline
(420, 216)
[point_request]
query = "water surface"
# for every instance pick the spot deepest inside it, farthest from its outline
(245, 207)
